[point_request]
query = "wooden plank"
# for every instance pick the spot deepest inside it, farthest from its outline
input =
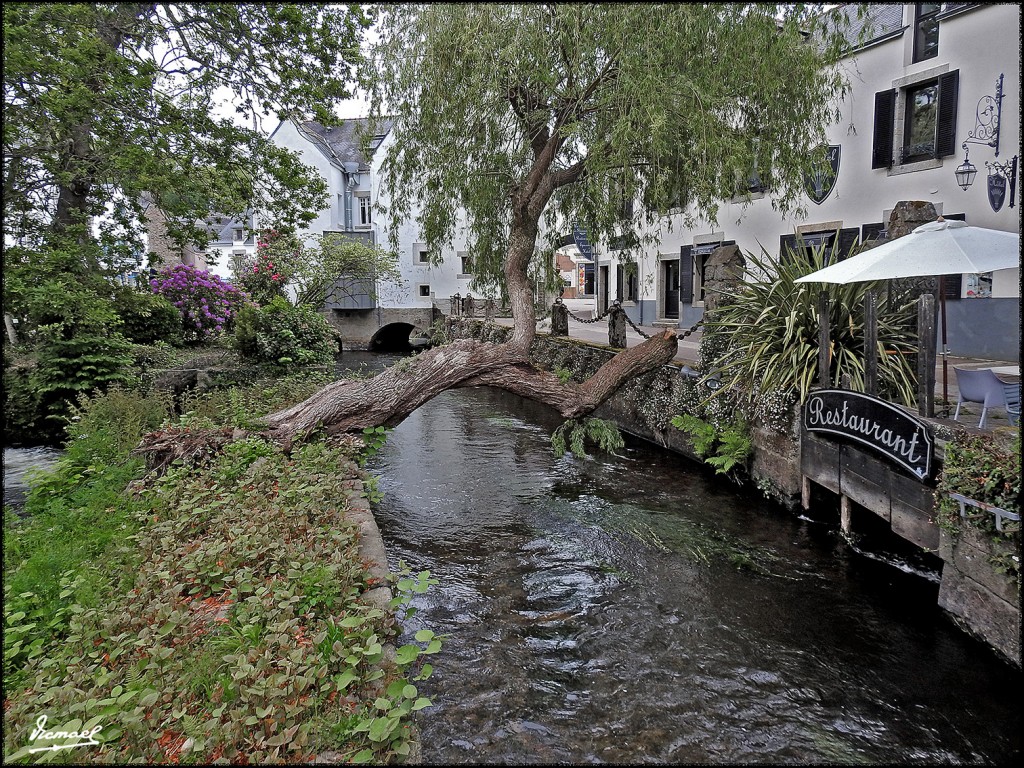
(824, 345)
(865, 480)
(871, 343)
(913, 511)
(819, 461)
(926, 355)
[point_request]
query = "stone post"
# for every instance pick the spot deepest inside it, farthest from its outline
(489, 310)
(617, 327)
(559, 319)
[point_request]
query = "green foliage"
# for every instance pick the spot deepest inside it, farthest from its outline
(563, 103)
(147, 318)
(226, 608)
(283, 334)
(330, 265)
(722, 448)
(986, 468)
(768, 333)
(109, 104)
(274, 265)
(573, 435)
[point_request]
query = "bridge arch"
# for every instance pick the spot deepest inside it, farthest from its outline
(394, 337)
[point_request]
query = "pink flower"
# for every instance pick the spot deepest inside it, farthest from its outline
(256, 269)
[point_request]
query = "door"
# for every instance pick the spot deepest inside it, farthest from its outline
(670, 279)
(603, 281)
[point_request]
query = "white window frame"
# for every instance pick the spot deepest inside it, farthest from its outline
(365, 211)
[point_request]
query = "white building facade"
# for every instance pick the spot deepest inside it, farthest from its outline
(929, 80)
(354, 192)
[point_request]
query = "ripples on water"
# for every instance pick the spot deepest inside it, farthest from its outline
(19, 463)
(633, 610)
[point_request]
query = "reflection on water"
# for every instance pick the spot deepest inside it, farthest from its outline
(19, 463)
(631, 609)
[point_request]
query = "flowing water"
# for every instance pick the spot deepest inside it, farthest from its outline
(635, 609)
(18, 466)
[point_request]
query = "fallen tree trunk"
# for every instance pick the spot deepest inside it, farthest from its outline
(388, 398)
(352, 405)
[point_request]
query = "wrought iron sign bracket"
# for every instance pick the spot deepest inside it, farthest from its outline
(986, 120)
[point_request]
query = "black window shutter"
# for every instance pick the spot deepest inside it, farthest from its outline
(870, 231)
(847, 239)
(953, 284)
(620, 277)
(885, 123)
(945, 133)
(686, 274)
(787, 248)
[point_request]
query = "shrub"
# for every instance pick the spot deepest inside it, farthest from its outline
(769, 329)
(207, 303)
(147, 318)
(264, 279)
(282, 334)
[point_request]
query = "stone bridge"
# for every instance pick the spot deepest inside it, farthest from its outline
(381, 329)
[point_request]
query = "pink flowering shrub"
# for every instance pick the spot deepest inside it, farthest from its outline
(207, 303)
(264, 280)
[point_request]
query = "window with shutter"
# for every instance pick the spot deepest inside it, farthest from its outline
(686, 274)
(945, 132)
(885, 121)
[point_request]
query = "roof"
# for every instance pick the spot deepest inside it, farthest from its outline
(341, 143)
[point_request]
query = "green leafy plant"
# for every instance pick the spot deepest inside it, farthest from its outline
(147, 318)
(285, 335)
(573, 435)
(986, 468)
(722, 448)
(769, 327)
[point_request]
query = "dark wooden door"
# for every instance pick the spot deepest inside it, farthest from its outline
(671, 283)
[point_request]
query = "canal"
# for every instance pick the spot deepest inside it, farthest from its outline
(635, 609)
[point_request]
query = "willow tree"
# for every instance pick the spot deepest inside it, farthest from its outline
(512, 120)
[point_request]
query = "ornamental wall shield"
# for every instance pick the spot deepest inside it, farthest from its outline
(996, 191)
(821, 183)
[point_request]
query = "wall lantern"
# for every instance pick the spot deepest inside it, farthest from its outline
(965, 173)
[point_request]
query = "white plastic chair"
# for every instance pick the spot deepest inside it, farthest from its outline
(1011, 393)
(981, 386)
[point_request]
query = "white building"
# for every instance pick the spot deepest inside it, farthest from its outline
(354, 191)
(924, 88)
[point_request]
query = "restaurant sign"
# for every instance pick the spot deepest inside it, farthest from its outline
(888, 429)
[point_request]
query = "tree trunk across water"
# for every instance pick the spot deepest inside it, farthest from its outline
(352, 405)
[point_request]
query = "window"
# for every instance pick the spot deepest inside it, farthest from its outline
(926, 30)
(465, 263)
(364, 210)
(920, 122)
(926, 129)
(425, 291)
(239, 235)
(838, 244)
(626, 282)
(424, 256)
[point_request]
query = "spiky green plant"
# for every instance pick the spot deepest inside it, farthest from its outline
(770, 327)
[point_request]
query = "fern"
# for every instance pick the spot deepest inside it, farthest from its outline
(573, 435)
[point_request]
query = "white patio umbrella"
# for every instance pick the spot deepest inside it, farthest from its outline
(937, 248)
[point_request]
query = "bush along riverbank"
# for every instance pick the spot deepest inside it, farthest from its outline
(224, 611)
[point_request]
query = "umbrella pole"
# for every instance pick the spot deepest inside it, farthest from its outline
(945, 370)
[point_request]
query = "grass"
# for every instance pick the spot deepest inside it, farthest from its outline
(214, 614)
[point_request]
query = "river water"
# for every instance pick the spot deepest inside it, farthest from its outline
(634, 609)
